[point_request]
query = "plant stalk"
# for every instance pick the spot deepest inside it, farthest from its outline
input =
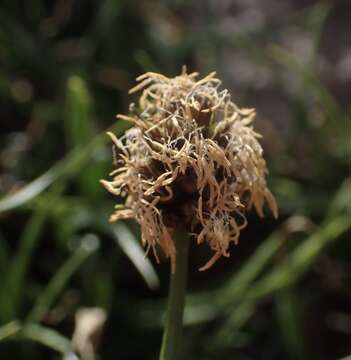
(172, 336)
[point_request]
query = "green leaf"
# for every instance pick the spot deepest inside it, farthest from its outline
(290, 271)
(48, 337)
(10, 329)
(29, 191)
(341, 201)
(132, 248)
(336, 115)
(65, 169)
(241, 281)
(78, 125)
(40, 334)
(78, 113)
(205, 307)
(11, 291)
(89, 244)
(4, 254)
(288, 315)
(283, 275)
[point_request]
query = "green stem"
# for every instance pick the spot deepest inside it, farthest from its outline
(172, 336)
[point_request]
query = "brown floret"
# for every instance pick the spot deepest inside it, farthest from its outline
(191, 159)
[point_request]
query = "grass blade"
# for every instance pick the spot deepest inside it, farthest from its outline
(69, 166)
(11, 291)
(47, 337)
(289, 323)
(29, 191)
(4, 254)
(131, 247)
(239, 283)
(314, 86)
(283, 275)
(78, 113)
(88, 245)
(302, 257)
(10, 329)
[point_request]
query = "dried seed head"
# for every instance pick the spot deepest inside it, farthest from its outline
(192, 158)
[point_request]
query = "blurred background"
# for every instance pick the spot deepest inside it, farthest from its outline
(72, 282)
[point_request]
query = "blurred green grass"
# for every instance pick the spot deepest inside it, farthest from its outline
(65, 68)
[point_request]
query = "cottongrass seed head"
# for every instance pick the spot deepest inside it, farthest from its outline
(192, 161)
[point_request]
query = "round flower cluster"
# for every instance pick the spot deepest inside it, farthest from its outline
(191, 161)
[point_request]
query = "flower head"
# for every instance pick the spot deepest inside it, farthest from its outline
(191, 159)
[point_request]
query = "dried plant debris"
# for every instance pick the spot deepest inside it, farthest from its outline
(88, 330)
(191, 160)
